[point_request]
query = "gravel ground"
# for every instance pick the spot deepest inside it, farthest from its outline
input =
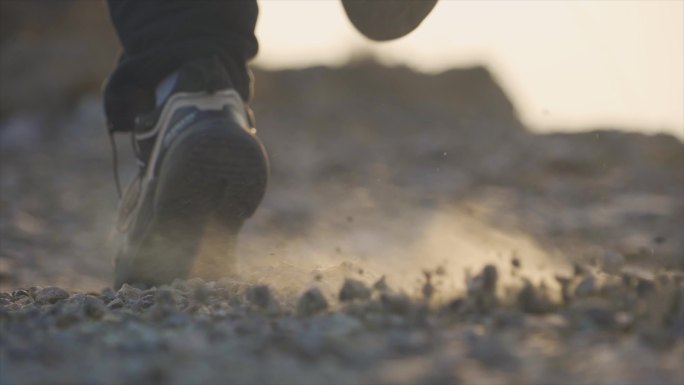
(607, 328)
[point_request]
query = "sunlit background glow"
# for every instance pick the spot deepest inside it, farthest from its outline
(567, 65)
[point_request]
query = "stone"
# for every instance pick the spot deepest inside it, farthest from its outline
(128, 293)
(353, 289)
(612, 262)
(645, 286)
(490, 276)
(259, 295)
(564, 283)
(534, 301)
(94, 307)
(201, 293)
(397, 303)
(50, 295)
(311, 302)
(381, 284)
(586, 287)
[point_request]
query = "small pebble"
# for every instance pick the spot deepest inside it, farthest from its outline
(428, 287)
(259, 295)
(612, 262)
(353, 289)
(397, 303)
(311, 302)
(645, 286)
(381, 284)
(94, 307)
(67, 318)
(534, 301)
(165, 297)
(586, 287)
(564, 282)
(490, 277)
(115, 303)
(51, 295)
(579, 270)
(201, 293)
(128, 293)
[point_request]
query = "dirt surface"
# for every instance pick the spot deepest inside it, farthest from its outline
(507, 256)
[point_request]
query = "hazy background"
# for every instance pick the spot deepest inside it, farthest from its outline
(566, 64)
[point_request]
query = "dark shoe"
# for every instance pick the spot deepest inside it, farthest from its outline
(200, 163)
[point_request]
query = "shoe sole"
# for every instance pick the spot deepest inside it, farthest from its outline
(212, 179)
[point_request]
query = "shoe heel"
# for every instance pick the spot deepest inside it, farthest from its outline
(214, 174)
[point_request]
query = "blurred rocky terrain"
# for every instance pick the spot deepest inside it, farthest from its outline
(376, 171)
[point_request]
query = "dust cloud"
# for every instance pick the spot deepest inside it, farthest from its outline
(449, 244)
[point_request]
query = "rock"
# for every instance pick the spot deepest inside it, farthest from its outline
(601, 316)
(490, 277)
(22, 293)
(339, 325)
(353, 289)
(128, 293)
(534, 301)
(455, 304)
(262, 298)
(259, 295)
(179, 284)
(397, 303)
(623, 320)
(164, 297)
(484, 282)
(645, 286)
(579, 269)
(76, 299)
(564, 283)
(612, 262)
(428, 287)
(311, 302)
(201, 293)
(67, 317)
(586, 287)
(107, 295)
(381, 284)
(32, 291)
(482, 289)
(51, 295)
(94, 307)
(116, 303)
(145, 301)
(195, 282)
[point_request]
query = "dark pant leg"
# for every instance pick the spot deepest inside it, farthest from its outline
(158, 36)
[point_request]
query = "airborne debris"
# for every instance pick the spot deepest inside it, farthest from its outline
(428, 287)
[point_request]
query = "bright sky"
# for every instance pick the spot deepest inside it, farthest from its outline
(566, 64)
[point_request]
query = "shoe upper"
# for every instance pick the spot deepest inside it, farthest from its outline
(203, 89)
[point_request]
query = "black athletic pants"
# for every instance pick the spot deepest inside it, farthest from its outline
(158, 36)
